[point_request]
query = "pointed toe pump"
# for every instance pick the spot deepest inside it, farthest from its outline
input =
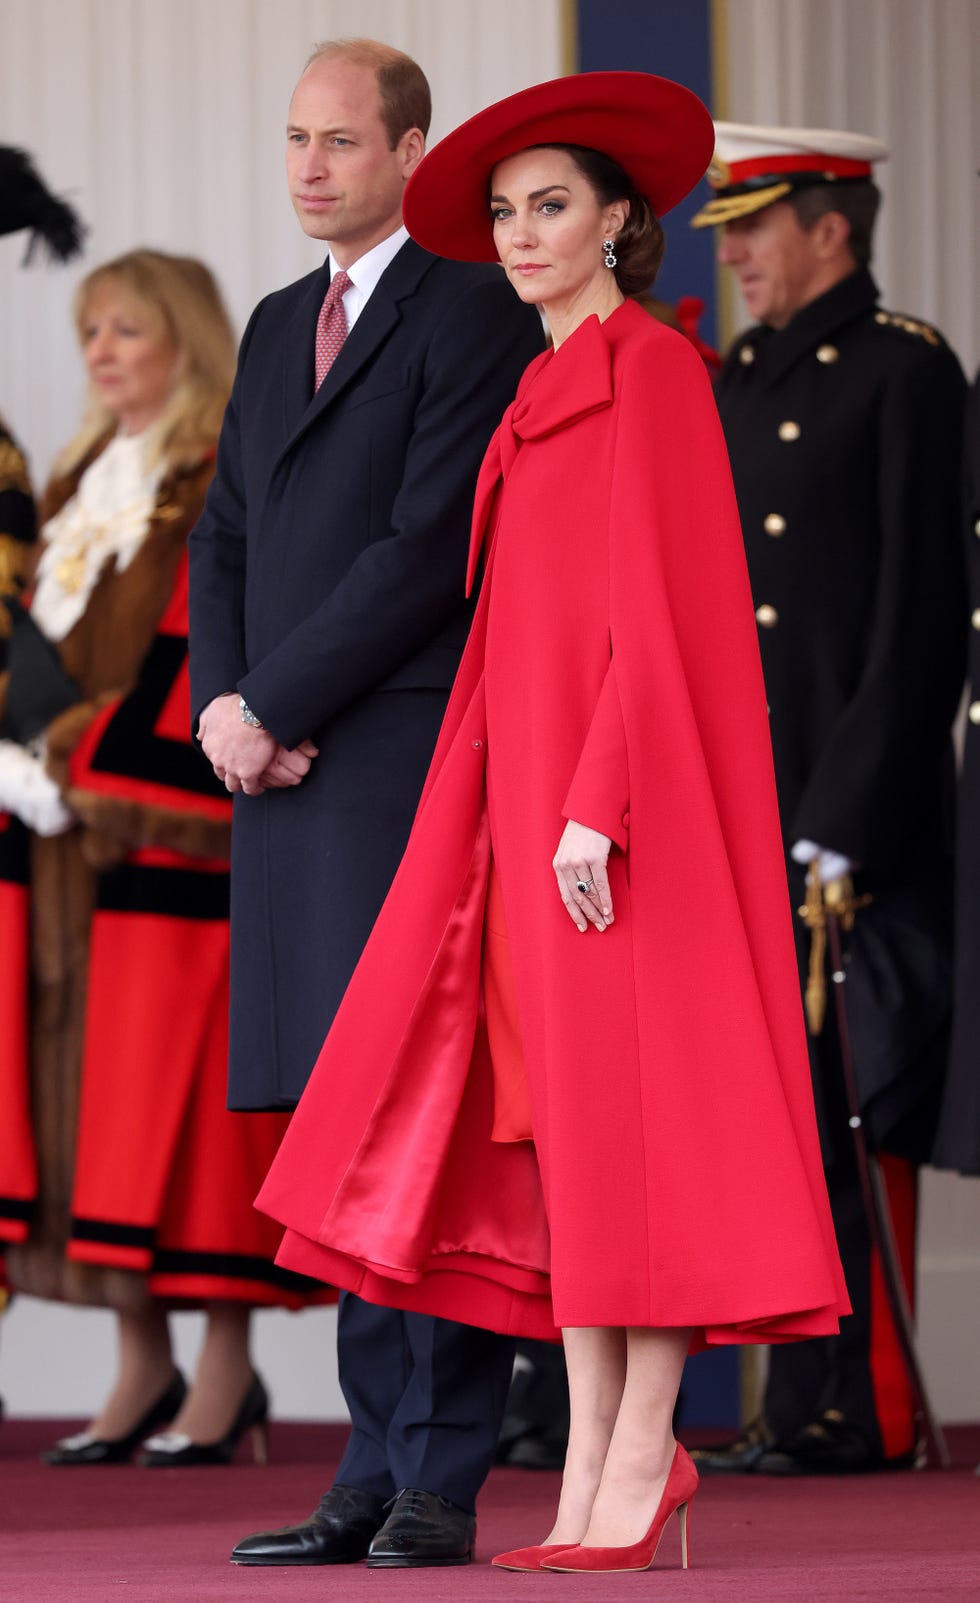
(529, 1558)
(682, 1483)
(172, 1449)
(86, 1448)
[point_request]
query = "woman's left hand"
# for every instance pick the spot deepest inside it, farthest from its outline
(580, 868)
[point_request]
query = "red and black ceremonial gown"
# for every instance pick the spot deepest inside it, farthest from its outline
(134, 1163)
(18, 531)
(612, 676)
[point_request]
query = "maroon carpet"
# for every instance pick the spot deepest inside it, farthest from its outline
(163, 1536)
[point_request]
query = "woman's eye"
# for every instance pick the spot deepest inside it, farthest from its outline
(551, 208)
(498, 213)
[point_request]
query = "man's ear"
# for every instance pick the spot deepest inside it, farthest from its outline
(411, 149)
(831, 233)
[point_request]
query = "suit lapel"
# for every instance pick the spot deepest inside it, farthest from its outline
(374, 326)
(298, 344)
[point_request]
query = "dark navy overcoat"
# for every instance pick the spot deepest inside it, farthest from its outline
(327, 577)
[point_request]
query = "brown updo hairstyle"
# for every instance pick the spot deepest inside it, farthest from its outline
(640, 242)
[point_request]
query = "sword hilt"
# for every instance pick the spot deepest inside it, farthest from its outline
(835, 899)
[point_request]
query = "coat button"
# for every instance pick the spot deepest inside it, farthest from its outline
(975, 617)
(767, 617)
(974, 712)
(827, 354)
(774, 524)
(746, 355)
(789, 430)
(477, 745)
(976, 527)
(626, 820)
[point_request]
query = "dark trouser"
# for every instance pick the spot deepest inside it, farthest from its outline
(860, 1371)
(426, 1398)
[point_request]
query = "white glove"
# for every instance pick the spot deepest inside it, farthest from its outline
(832, 865)
(28, 791)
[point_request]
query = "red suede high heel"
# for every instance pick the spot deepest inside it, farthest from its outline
(529, 1558)
(682, 1483)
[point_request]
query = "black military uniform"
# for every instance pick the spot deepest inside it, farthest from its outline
(843, 430)
(958, 1139)
(843, 423)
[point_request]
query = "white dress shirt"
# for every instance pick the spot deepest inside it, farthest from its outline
(365, 272)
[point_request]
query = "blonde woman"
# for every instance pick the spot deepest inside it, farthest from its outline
(133, 1189)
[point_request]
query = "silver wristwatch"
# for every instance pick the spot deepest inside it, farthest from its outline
(248, 716)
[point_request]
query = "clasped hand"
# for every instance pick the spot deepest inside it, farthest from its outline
(580, 860)
(245, 758)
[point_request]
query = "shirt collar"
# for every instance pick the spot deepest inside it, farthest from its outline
(366, 271)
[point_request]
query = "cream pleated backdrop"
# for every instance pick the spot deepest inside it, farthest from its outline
(907, 71)
(164, 120)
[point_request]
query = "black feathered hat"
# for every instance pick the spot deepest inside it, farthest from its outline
(27, 202)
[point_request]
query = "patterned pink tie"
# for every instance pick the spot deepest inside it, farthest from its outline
(331, 326)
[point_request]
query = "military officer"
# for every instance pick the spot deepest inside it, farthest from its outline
(844, 423)
(958, 1139)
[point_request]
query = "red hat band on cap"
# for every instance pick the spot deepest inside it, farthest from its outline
(774, 166)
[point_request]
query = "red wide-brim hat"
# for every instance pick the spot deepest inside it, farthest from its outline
(660, 133)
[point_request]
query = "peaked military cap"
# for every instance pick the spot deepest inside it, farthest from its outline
(754, 167)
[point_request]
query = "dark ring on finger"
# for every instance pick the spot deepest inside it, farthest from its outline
(583, 886)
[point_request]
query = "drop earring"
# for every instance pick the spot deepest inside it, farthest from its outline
(608, 246)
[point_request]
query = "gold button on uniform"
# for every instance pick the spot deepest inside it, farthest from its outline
(746, 355)
(774, 524)
(827, 353)
(976, 527)
(975, 617)
(882, 317)
(974, 713)
(789, 430)
(767, 617)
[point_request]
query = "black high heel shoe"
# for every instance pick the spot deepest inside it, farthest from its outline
(88, 1449)
(172, 1448)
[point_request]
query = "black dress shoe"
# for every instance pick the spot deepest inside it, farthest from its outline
(423, 1529)
(339, 1532)
(830, 1445)
(88, 1449)
(738, 1457)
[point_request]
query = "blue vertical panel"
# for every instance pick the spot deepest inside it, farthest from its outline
(672, 38)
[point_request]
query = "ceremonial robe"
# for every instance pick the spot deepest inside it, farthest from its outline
(122, 1174)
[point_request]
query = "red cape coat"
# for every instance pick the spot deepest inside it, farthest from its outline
(612, 676)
